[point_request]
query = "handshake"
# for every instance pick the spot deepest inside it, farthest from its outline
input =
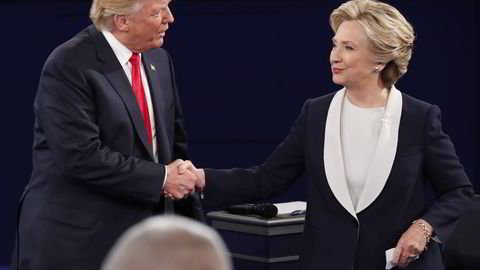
(183, 179)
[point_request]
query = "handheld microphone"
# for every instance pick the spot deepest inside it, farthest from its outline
(266, 210)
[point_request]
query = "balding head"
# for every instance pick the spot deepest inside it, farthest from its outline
(169, 242)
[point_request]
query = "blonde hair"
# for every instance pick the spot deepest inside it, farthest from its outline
(169, 243)
(102, 11)
(389, 34)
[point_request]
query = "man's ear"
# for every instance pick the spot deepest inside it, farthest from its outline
(120, 22)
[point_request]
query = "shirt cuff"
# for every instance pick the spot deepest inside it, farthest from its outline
(165, 177)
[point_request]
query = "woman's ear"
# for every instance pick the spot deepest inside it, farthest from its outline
(381, 66)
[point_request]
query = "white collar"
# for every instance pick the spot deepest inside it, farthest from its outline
(121, 51)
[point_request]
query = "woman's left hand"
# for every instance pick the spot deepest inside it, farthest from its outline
(411, 244)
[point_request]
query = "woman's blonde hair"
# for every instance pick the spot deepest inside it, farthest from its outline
(102, 11)
(389, 34)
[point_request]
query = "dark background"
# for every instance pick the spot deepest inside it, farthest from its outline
(244, 69)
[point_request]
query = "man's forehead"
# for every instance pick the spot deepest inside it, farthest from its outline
(164, 2)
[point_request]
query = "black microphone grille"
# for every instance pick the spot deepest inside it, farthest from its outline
(267, 210)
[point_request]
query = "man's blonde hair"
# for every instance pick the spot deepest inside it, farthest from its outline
(102, 11)
(389, 34)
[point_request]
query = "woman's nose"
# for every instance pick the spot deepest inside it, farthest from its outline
(334, 57)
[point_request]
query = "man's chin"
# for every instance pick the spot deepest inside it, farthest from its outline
(155, 44)
(159, 42)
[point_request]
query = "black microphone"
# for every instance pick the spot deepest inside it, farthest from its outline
(266, 210)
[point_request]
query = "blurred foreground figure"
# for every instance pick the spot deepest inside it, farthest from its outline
(169, 242)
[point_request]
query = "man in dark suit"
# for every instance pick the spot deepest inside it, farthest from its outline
(107, 122)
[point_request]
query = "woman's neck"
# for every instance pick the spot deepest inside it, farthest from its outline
(368, 97)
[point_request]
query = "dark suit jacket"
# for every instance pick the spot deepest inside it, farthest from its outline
(93, 171)
(333, 237)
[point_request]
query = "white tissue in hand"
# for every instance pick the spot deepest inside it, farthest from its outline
(389, 256)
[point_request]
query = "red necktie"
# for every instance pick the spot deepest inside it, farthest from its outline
(140, 94)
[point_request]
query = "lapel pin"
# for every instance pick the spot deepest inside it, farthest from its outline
(152, 67)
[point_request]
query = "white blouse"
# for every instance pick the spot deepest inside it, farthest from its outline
(359, 131)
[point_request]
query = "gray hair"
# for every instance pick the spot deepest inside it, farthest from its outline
(169, 242)
(389, 34)
(102, 11)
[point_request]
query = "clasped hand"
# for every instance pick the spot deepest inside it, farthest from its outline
(182, 179)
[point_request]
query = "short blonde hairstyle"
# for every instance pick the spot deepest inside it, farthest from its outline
(169, 243)
(102, 11)
(389, 34)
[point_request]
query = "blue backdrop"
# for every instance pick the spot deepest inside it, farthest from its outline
(244, 69)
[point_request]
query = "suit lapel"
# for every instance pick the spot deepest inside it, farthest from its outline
(115, 74)
(382, 162)
(333, 157)
(152, 71)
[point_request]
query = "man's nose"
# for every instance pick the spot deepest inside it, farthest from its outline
(170, 17)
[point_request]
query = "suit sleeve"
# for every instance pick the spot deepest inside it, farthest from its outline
(450, 182)
(275, 175)
(65, 108)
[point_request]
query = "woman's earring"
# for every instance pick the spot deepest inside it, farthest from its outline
(376, 70)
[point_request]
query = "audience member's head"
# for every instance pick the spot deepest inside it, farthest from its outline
(169, 243)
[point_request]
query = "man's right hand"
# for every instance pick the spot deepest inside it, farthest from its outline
(187, 165)
(179, 185)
